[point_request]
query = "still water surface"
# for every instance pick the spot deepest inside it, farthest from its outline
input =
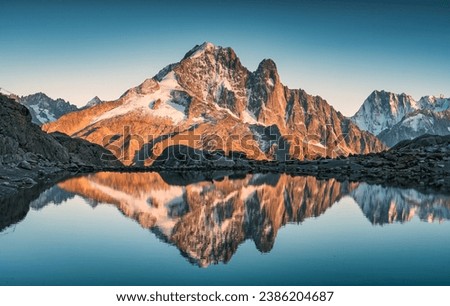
(261, 229)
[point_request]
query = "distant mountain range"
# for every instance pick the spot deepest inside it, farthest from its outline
(396, 117)
(44, 109)
(210, 101)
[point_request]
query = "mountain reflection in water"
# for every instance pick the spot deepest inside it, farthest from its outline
(207, 218)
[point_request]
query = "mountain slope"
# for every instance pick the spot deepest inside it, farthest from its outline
(415, 124)
(210, 101)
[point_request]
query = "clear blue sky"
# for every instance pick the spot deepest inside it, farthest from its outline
(340, 50)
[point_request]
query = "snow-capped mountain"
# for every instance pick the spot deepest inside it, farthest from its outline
(395, 117)
(210, 101)
(44, 109)
(435, 104)
(382, 110)
(415, 124)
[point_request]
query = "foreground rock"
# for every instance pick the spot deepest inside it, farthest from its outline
(28, 156)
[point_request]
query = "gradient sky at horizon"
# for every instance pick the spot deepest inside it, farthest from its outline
(340, 50)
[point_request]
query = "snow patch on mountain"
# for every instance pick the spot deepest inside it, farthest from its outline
(435, 104)
(414, 122)
(159, 103)
(395, 117)
(249, 118)
(201, 49)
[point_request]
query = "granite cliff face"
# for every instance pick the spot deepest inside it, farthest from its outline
(210, 101)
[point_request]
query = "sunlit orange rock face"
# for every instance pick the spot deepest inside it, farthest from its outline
(210, 101)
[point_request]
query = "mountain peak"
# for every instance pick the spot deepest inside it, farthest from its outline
(267, 70)
(200, 49)
(207, 45)
(268, 65)
(94, 101)
(382, 110)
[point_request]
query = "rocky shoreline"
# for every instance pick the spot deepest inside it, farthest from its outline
(423, 164)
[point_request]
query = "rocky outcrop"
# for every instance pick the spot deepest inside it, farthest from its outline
(422, 163)
(209, 101)
(29, 156)
(84, 153)
(19, 136)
